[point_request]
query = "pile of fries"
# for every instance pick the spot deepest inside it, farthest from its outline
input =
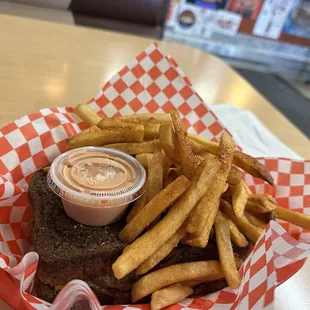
(194, 189)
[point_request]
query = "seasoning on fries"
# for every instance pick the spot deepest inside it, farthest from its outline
(143, 247)
(242, 160)
(135, 148)
(154, 208)
(106, 136)
(194, 189)
(187, 159)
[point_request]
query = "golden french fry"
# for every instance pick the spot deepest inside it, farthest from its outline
(154, 208)
(236, 236)
(192, 283)
(250, 193)
(297, 218)
(209, 270)
(212, 196)
(198, 149)
(170, 295)
(116, 123)
(135, 148)
(167, 142)
(87, 114)
(106, 136)
(242, 160)
(93, 128)
(256, 208)
(251, 232)
(162, 118)
(186, 154)
(162, 252)
(226, 253)
(203, 238)
(239, 198)
(151, 129)
(143, 247)
(255, 220)
(155, 177)
(144, 159)
(138, 205)
(235, 176)
(265, 200)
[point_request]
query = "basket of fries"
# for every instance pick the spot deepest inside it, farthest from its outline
(200, 188)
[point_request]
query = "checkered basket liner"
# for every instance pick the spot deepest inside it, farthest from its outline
(151, 82)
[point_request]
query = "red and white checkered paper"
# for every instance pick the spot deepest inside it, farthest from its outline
(151, 82)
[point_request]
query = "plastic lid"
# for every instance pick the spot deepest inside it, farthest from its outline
(96, 176)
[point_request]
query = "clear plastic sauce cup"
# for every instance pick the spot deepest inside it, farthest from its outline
(96, 184)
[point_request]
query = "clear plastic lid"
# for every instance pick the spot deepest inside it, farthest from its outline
(96, 176)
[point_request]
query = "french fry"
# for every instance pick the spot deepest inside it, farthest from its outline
(211, 197)
(203, 238)
(239, 198)
(187, 159)
(155, 174)
(154, 208)
(151, 129)
(138, 205)
(92, 128)
(106, 136)
(143, 247)
(193, 283)
(87, 114)
(236, 236)
(250, 231)
(242, 160)
(256, 208)
(162, 118)
(235, 176)
(265, 200)
(198, 149)
(208, 270)
(226, 253)
(162, 252)
(116, 123)
(170, 295)
(144, 159)
(255, 220)
(250, 193)
(297, 218)
(135, 148)
(167, 142)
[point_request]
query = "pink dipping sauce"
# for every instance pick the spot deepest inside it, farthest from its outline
(96, 184)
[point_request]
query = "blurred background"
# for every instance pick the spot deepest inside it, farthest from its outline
(266, 41)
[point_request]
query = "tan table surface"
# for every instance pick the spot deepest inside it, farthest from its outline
(44, 64)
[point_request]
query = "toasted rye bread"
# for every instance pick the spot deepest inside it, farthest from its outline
(68, 250)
